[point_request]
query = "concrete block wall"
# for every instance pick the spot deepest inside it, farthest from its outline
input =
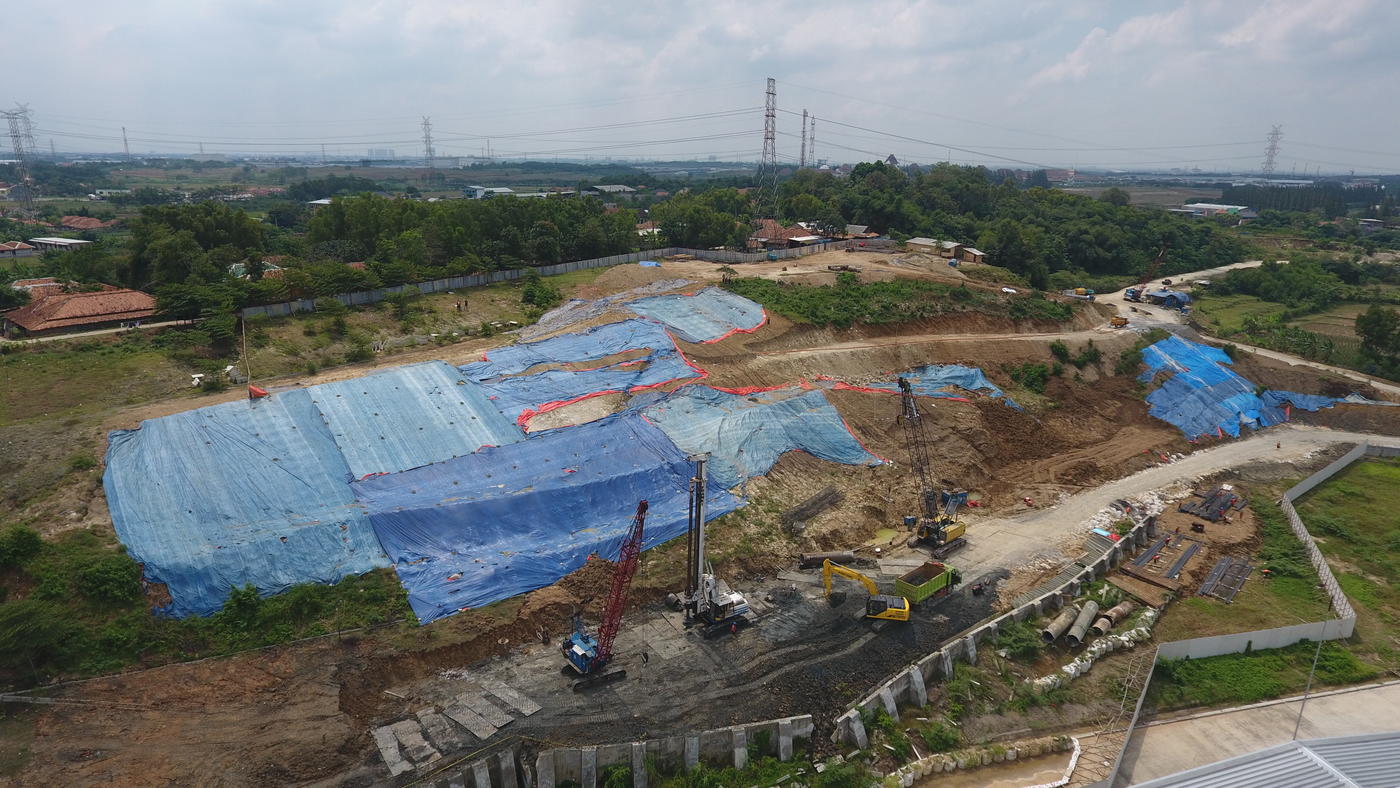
(720, 747)
(909, 687)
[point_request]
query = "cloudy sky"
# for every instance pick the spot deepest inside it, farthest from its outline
(1079, 83)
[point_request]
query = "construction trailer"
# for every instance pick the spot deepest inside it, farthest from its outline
(878, 606)
(708, 602)
(587, 655)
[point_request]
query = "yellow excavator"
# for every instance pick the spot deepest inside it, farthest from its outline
(879, 606)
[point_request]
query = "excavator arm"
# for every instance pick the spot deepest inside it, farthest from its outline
(829, 569)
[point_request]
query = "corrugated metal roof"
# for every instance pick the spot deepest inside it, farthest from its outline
(1367, 761)
(1370, 761)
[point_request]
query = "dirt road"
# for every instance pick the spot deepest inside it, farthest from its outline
(1055, 533)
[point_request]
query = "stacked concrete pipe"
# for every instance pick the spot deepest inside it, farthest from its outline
(1081, 624)
(1113, 617)
(1061, 623)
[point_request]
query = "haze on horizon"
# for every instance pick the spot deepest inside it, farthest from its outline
(1073, 83)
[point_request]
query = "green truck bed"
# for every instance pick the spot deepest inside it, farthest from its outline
(931, 579)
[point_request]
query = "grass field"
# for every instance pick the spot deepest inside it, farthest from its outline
(1353, 517)
(1339, 321)
(1225, 314)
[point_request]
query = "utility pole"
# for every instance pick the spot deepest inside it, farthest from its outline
(768, 167)
(1271, 150)
(53, 152)
(126, 146)
(802, 160)
(201, 149)
(428, 149)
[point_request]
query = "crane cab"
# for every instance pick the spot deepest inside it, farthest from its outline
(887, 608)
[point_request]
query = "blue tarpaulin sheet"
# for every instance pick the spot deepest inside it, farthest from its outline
(477, 529)
(649, 264)
(708, 316)
(595, 343)
(519, 398)
(934, 380)
(1203, 396)
(409, 416)
(746, 434)
(250, 492)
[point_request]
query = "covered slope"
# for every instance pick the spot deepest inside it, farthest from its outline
(707, 316)
(249, 492)
(746, 434)
(477, 529)
(1203, 396)
(409, 416)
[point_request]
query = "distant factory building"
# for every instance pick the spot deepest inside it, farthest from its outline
(57, 244)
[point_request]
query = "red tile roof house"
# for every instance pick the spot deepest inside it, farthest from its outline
(52, 312)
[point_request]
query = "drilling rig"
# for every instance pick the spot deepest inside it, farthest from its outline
(708, 602)
(937, 524)
(589, 656)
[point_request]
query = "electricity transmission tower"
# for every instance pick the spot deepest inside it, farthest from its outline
(22, 140)
(1271, 150)
(428, 149)
(812, 142)
(802, 160)
(768, 167)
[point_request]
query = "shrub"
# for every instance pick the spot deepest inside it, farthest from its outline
(359, 351)
(1031, 377)
(1087, 355)
(1060, 350)
(34, 633)
(112, 578)
(537, 292)
(941, 738)
(1129, 361)
(18, 544)
(1021, 641)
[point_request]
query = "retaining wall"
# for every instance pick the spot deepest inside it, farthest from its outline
(477, 280)
(721, 747)
(909, 687)
(1338, 628)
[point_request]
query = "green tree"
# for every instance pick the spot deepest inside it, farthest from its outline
(1379, 330)
(1115, 196)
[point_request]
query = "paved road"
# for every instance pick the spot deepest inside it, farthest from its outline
(1173, 746)
(1055, 533)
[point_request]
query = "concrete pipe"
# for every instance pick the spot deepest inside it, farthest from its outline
(1081, 625)
(1120, 612)
(1060, 624)
(808, 560)
(1102, 626)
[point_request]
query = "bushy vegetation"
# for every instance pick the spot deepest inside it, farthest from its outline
(1030, 376)
(86, 611)
(850, 302)
(1020, 640)
(1254, 675)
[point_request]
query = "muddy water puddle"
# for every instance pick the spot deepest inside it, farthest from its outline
(1016, 774)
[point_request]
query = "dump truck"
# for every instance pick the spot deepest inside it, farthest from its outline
(1118, 321)
(930, 581)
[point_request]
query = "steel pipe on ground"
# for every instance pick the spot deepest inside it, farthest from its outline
(1081, 624)
(1061, 623)
(815, 559)
(1102, 626)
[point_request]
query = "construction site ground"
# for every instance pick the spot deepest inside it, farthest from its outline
(303, 713)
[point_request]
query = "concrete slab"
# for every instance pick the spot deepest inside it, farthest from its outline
(544, 770)
(443, 735)
(481, 773)
(1169, 747)
(485, 709)
(514, 699)
(505, 761)
(411, 743)
(389, 748)
(464, 716)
